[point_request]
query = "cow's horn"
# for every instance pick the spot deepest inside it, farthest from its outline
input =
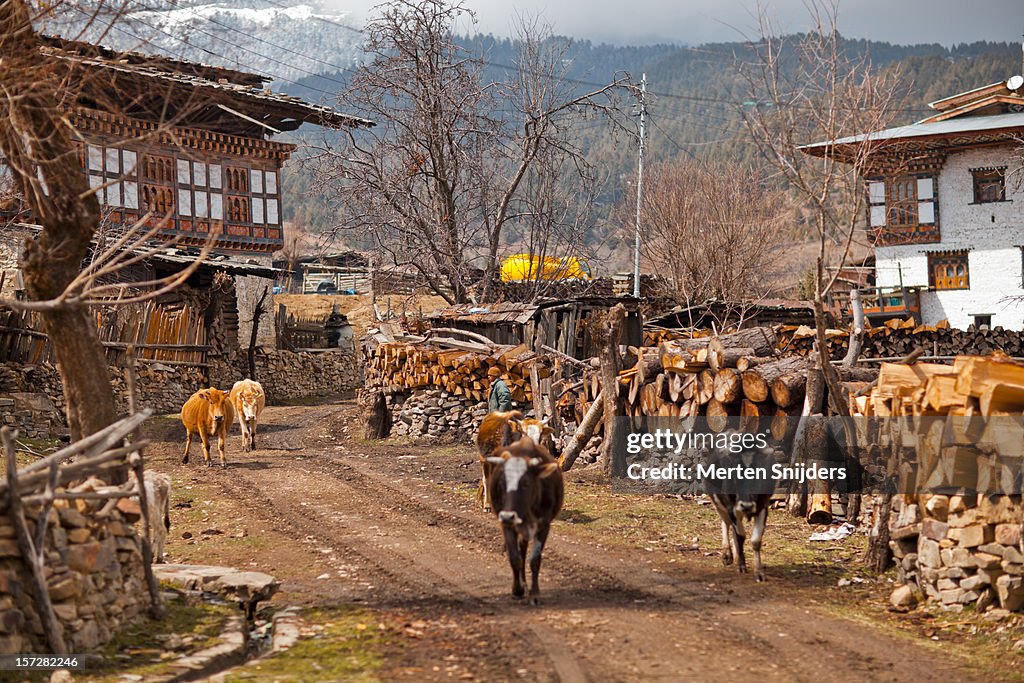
(535, 461)
(494, 460)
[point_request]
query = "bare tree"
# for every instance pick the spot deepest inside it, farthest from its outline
(811, 90)
(455, 159)
(709, 230)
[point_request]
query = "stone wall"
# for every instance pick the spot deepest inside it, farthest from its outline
(959, 550)
(95, 577)
(32, 400)
(436, 413)
(289, 376)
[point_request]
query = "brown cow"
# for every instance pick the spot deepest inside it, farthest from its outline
(527, 489)
(248, 400)
(498, 430)
(208, 413)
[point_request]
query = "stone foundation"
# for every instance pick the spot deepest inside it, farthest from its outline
(95, 578)
(960, 550)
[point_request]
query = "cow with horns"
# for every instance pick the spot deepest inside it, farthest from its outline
(527, 492)
(500, 429)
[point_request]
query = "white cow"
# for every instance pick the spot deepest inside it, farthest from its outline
(248, 399)
(158, 506)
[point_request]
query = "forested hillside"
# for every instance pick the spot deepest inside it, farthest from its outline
(694, 103)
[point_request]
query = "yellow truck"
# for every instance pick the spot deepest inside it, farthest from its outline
(521, 267)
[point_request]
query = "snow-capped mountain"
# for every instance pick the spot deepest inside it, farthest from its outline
(284, 39)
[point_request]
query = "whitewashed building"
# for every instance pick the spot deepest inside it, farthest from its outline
(945, 205)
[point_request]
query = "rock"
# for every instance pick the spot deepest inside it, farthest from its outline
(947, 584)
(70, 517)
(1010, 590)
(928, 553)
(68, 586)
(937, 507)
(975, 582)
(957, 504)
(62, 676)
(962, 519)
(903, 597)
(986, 561)
(934, 529)
(992, 549)
(951, 597)
(999, 509)
(975, 535)
(90, 557)
(1008, 534)
(79, 535)
(1015, 568)
(1011, 554)
(9, 548)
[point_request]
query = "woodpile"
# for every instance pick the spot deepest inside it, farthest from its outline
(897, 338)
(455, 366)
(704, 377)
(956, 452)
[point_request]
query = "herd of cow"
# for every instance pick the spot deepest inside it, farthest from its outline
(521, 479)
(521, 482)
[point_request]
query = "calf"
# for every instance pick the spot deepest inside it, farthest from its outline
(207, 413)
(248, 400)
(527, 490)
(736, 506)
(158, 509)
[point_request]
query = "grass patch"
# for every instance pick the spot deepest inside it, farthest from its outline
(148, 647)
(339, 644)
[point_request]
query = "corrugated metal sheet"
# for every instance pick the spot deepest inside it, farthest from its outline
(965, 124)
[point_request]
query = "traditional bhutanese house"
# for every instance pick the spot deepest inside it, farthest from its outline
(190, 144)
(944, 211)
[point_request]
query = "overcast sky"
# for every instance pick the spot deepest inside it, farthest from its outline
(700, 21)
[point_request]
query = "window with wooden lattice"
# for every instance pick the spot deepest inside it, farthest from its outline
(158, 178)
(903, 209)
(948, 270)
(989, 185)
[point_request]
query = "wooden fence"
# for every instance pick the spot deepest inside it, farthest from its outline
(297, 332)
(174, 335)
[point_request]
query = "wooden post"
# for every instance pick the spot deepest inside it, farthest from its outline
(31, 556)
(583, 432)
(611, 364)
(156, 607)
(257, 313)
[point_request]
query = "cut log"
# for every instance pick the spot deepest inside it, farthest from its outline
(757, 381)
(720, 357)
(718, 414)
(582, 436)
(754, 416)
(705, 387)
(785, 421)
(728, 387)
(788, 389)
(749, 362)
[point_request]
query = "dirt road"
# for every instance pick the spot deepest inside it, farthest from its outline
(395, 528)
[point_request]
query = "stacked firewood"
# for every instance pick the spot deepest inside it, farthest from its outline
(897, 338)
(400, 367)
(733, 375)
(956, 454)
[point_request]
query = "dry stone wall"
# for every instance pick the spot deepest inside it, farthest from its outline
(436, 413)
(95, 576)
(959, 550)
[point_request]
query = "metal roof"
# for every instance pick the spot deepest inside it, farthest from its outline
(505, 312)
(213, 82)
(214, 261)
(966, 124)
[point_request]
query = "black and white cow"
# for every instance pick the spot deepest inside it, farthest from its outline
(739, 504)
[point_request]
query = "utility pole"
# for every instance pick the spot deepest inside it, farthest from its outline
(642, 103)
